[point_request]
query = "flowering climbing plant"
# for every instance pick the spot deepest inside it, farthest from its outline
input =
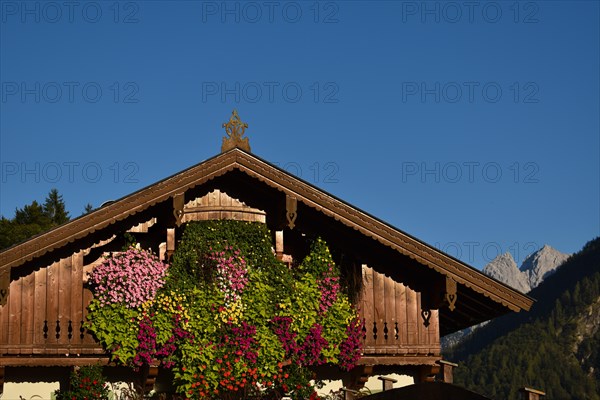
(228, 318)
(85, 383)
(131, 278)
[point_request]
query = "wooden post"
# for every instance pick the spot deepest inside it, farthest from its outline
(356, 380)
(447, 370)
(388, 383)
(279, 245)
(2, 368)
(349, 394)
(531, 394)
(148, 377)
(170, 242)
(151, 378)
(427, 373)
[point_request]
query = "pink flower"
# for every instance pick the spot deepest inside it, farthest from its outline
(132, 277)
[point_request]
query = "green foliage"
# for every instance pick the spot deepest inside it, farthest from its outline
(543, 348)
(201, 238)
(232, 321)
(33, 219)
(54, 208)
(86, 383)
(112, 326)
(88, 209)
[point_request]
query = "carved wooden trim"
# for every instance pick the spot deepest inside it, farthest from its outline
(385, 234)
(178, 204)
(117, 211)
(294, 188)
(291, 210)
(450, 295)
(235, 129)
(426, 315)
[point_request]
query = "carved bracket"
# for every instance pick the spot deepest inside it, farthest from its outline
(441, 293)
(450, 295)
(291, 210)
(178, 203)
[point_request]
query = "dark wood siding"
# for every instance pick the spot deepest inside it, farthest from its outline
(393, 322)
(45, 311)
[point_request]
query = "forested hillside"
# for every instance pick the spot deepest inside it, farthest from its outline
(33, 219)
(554, 347)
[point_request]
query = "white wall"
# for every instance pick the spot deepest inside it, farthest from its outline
(373, 384)
(29, 390)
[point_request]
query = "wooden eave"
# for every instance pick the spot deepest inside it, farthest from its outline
(502, 297)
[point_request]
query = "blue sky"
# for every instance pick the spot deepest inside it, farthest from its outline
(473, 126)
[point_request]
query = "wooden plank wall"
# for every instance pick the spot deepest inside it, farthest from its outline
(219, 205)
(392, 317)
(45, 312)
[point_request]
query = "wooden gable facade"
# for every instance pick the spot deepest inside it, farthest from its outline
(408, 293)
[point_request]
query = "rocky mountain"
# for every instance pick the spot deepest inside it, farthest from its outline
(534, 269)
(504, 269)
(555, 347)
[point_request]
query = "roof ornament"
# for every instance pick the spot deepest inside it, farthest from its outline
(235, 129)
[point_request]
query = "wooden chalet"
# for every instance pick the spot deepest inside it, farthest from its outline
(409, 295)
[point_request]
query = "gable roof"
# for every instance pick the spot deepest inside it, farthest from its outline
(482, 296)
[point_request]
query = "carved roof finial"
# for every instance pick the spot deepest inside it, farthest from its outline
(235, 129)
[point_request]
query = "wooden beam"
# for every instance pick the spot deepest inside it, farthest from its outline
(531, 394)
(52, 361)
(399, 360)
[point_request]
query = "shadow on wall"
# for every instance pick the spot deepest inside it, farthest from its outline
(32, 383)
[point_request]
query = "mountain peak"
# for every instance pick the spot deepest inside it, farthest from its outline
(534, 269)
(504, 268)
(541, 263)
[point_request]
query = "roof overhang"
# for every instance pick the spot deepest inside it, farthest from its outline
(386, 248)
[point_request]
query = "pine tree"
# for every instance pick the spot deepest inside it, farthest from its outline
(33, 219)
(88, 209)
(55, 209)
